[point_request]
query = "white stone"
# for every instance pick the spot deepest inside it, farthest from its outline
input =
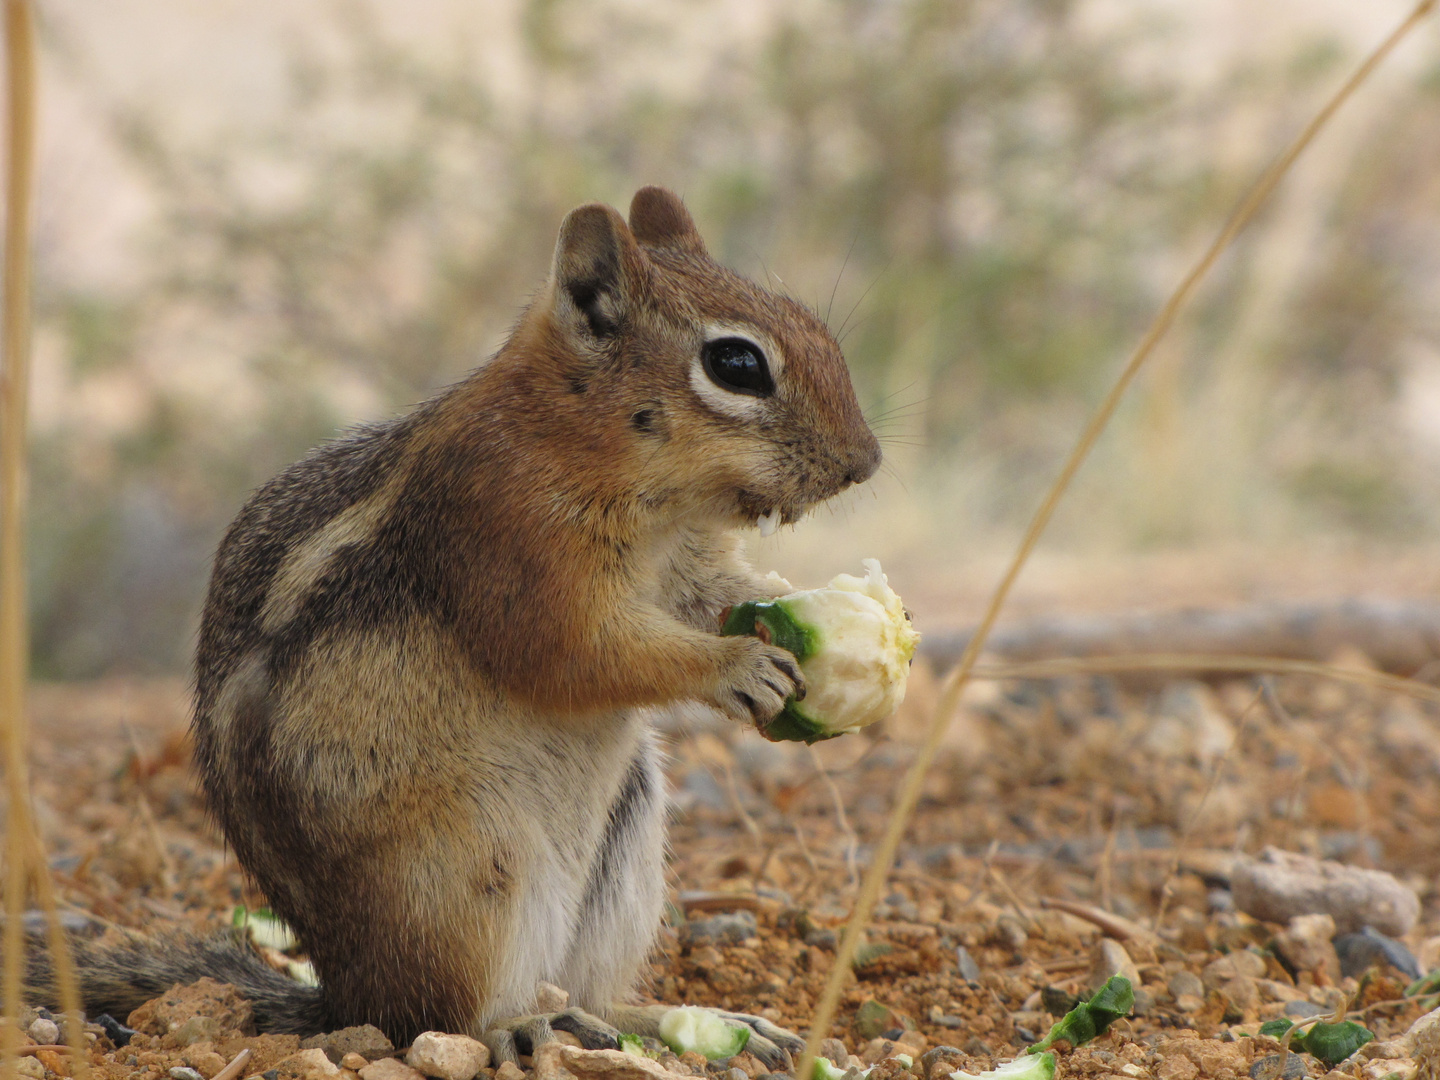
(43, 1032)
(447, 1057)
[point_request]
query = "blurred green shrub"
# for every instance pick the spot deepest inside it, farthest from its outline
(986, 199)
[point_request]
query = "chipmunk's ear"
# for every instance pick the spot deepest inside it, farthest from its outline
(659, 219)
(596, 260)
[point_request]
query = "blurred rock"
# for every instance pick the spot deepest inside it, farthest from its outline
(969, 969)
(556, 1061)
(206, 997)
(1110, 958)
(43, 1032)
(877, 1049)
(1279, 1067)
(1185, 983)
(1280, 885)
(726, 928)
(874, 1018)
(389, 1068)
(1305, 945)
(307, 1065)
(364, 1039)
(1188, 723)
(1244, 963)
(1359, 952)
(549, 998)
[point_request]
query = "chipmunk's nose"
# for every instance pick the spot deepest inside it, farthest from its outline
(864, 461)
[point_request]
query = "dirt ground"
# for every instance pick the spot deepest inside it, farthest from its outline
(1127, 799)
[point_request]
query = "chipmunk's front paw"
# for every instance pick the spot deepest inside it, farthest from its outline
(772, 1045)
(754, 685)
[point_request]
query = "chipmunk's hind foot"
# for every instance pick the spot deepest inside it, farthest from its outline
(508, 1039)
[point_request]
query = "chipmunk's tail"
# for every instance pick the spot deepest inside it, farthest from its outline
(118, 978)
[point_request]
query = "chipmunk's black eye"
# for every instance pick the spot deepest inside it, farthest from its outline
(738, 365)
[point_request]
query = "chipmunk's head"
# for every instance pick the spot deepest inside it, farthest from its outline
(714, 395)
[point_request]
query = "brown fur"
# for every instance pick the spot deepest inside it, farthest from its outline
(425, 646)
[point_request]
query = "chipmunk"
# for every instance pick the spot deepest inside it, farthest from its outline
(429, 649)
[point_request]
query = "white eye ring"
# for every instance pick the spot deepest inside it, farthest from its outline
(732, 403)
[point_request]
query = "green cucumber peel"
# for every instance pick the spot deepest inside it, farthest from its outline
(779, 625)
(689, 1027)
(633, 1044)
(1092, 1018)
(1330, 1043)
(782, 629)
(265, 928)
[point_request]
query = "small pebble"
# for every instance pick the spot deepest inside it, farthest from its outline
(736, 1074)
(184, 1072)
(43, 1032)
(117, 1032)
(1269, 1067)
(30, 1068)
(353, 1061)
(726, 928)
(969, 969)
(1109, 959)
(1184, 983)
(549, 998)
(1368, 948)
(508, 1070)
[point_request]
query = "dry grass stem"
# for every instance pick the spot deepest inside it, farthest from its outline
(955, 683)
(1121, 664)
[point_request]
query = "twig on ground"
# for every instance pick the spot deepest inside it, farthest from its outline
(1115, 926)
(236, 1066)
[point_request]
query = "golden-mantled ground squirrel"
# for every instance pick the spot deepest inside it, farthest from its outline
(428, 648)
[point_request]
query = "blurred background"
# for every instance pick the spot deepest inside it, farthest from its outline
(262, 222)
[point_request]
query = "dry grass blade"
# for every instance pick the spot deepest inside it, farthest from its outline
(1238, 664)
(955, 683)
(24, 855)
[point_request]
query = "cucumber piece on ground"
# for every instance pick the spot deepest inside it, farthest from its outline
(692, 1028)
(1025, 1067)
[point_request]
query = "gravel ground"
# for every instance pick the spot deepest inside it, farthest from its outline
(1128, 804)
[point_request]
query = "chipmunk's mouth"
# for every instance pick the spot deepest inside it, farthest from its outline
(768, 516)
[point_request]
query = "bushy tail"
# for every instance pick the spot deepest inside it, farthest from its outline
(117, 978)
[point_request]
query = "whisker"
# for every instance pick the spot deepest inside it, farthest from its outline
(840, 276)
(883, 271)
